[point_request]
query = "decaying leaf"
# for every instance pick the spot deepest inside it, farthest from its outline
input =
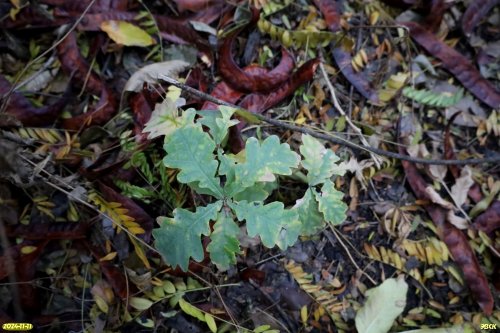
(384, 304)
(151, 73)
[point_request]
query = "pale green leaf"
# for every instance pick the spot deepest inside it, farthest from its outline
(165, 119)
(257, 192)
(383, 305)
(319, 161)
(330, 203)
(224, 244)
(191, 310)
(140, 303)
(272, 222)
(191, 150)
(125, 33)
(178, 238)
(307, 208)
(264, 160)
(211, 322)
(168, 287)
(218, 122)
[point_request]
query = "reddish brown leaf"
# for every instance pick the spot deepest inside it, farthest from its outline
(260, 102)
(134, 210)
(25, 270)
(49, 231)
(22, 109)
(437, 9)
(475, 12)
(192, 5)
(489, 220)
(142, 113)
(456, 241)
(331, 13)
(344, 62)
(457, 64)
(74, 65)
(247, 82)
(115, 277)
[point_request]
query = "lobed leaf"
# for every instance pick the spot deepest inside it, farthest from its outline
(307, 208)
(219, 125)
(264, 160)
(319, 161)
(272, 222)
(224, 243)
(178, 238)
(330, 203)
(191, 150)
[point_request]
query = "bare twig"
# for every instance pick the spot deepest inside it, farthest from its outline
(329, 137)
(376, 159)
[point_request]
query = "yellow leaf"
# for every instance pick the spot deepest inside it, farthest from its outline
(303, 315)
(28, 249)
(101, 303)
(126, 33)
(211, 322)
(109, 256)
(140, 303)
(191, 310)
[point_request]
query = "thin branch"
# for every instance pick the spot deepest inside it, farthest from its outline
(328, 137)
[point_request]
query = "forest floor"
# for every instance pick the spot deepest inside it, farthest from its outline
(401, 232)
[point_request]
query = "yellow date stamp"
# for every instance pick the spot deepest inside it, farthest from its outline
(17, 326)
(488, 326)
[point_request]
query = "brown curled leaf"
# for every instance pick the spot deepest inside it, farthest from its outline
(226, 93)
(247, 82)
(49, 231)
(457, 64)
(141, 111)
(475, 12)
(344, 62)
(258, 103)
(134, 210)
(454, 239)
(489, 220)
(331, 13)
(22, 109)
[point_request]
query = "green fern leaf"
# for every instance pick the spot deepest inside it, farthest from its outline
(224, 244)
(178, 238)
(330, 203)
(191, 150)
(431, 98)
(319, 161)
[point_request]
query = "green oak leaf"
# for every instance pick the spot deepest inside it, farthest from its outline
(330, 203)
(224, 244)
(307, 208)
(268, 221)
(191, 150)
(178, 238)
(218, 125)
(264, 160)
(319, 161)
